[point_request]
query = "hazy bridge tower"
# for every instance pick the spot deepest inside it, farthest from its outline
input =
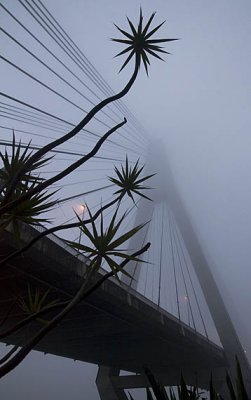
(165, 190)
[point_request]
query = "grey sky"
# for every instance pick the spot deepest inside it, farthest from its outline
(198, 103)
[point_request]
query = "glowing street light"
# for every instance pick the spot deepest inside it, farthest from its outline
(82, 208)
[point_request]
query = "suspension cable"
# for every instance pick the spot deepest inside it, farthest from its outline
(60, 119)
(87, 65)
(174, 267)
(57, 39)
(194, 291)
(160, 261)
(182, 272)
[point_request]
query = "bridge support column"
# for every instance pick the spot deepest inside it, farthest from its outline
(106, 388)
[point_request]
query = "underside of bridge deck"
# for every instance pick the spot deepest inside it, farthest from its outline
(115, 326)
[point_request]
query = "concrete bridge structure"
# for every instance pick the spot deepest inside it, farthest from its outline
(116, 327)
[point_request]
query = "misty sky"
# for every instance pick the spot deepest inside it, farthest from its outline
(198, 104)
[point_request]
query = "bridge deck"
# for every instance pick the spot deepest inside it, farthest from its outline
(116, 326)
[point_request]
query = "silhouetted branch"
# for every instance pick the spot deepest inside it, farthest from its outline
(7, 207)
(40, 313)
(44, 150)
(31, 318)
(56, 229)
(9, 354)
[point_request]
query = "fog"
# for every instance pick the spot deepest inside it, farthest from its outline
(197, 104)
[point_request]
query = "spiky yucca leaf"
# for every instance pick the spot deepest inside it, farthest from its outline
(11, 164)
(139, 42)
(183, 391)
(213, 393)
(103, 243)
(28, 211)
(129, 180)
(230, 387)
(158, 389)
(171, 394)
(36, 301)
(149, 395)
(241, 391)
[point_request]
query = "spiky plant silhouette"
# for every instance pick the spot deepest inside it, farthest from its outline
(184, 392)
(104, 243)
(140, 42)
(27, 211)
(129, 180)
(36, 302)
(24, 197)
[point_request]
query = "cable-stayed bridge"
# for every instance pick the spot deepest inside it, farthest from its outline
(171, 314)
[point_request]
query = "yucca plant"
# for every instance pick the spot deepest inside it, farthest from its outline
(241, 393)
(36, 301)
(186, 393)
(18, 158)
(129, 180)
(104, 243)
(30, 210)
(24, 198)
(139, 42)
(213, 393)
